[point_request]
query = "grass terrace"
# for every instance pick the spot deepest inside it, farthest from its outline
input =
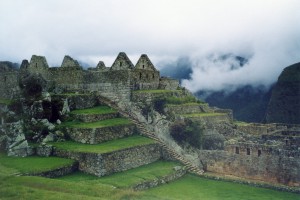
(95, 110)
(189, 100)
(105, 147)
(34, 164)
(97, 124)
(155, 91)
(191, 115)
(127, 178)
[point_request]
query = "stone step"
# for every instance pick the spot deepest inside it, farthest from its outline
(110, 157)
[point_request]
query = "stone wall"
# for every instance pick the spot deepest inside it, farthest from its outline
(187, 108)
(98, 135)
(148, 97)
(253, 129)
(168, 83)
(94, 117)
(268, 165)
(112, 162)
(9, 86)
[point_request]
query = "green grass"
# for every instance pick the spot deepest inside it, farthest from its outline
(185, 104)
(36, 188)
(192, 187)
(95, 110)
(97, 124)
(188, 187)
(6, 101)
(127, 178)
(183, 100)
(105, 147)
(203, 114)
(33, 164)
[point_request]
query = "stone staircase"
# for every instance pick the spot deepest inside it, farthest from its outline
(142, 128)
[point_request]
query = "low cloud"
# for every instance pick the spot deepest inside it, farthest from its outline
(265, 32)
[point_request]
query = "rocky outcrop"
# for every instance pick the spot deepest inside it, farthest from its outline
(284, 105)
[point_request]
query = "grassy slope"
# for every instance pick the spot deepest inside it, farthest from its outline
(104, 147)
(127, 178)
(97, 124)
(33, 164)
(95, 110)
(192, 187)
(189, 187)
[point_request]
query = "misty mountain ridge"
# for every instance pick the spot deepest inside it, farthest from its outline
(248, 102)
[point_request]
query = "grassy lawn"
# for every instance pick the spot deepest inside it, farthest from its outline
(203, 114)
(97, 124)
(192, 187)
(128, 178)
(33, 164)
(36, 188)
(105, 147)
(95, 110)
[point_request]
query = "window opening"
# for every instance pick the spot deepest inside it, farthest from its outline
(237, 150)
(259, 152)
(248, 151)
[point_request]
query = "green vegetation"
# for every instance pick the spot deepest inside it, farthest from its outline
(95, 110)
(105, 147)
(36, 188)
(187, 131)
(154, 91)
(191, 115)
(183, 100)
(88, 187)
(127, 178)
(6, 101)
(192, 187)
(34, 164)
(97, 124)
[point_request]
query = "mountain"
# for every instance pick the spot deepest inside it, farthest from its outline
(284, 105)
(248, 103)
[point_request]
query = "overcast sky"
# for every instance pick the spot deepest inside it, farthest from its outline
(266, 31)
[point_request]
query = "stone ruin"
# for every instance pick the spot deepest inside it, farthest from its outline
(115, 82)
(267, 152)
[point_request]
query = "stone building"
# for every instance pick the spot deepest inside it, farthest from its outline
(115, 82)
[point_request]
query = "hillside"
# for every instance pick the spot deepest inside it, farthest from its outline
(284, 105)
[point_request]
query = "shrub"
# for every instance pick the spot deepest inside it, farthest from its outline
(187, 131)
